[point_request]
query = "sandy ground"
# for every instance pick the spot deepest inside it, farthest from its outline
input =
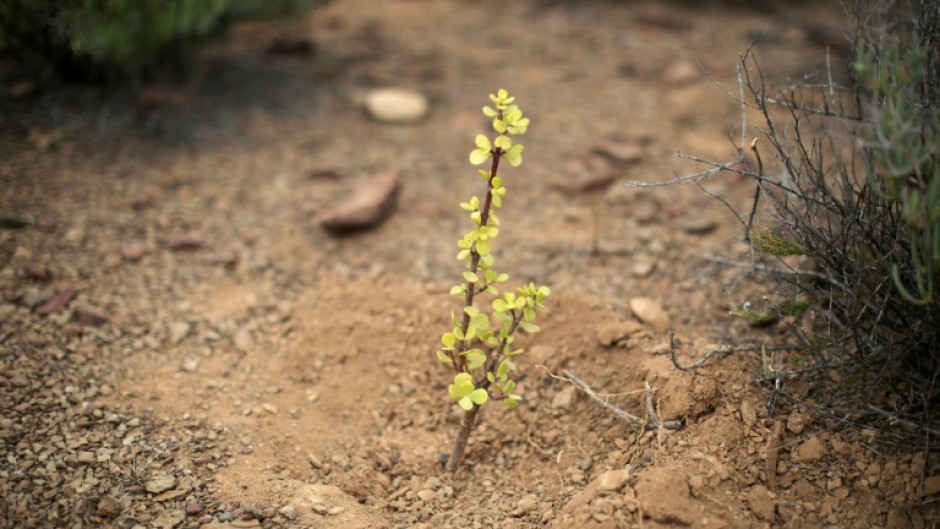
(182, 345)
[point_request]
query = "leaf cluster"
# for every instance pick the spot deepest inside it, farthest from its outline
(480, 345)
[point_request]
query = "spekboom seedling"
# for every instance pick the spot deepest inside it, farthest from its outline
(480, 347)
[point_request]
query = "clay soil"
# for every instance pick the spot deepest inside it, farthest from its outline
(225, 362)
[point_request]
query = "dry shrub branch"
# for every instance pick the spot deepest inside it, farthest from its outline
(845, 222)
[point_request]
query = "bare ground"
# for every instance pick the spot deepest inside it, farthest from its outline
(226, 363)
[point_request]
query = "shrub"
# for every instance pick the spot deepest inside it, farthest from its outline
(100, 38)
(846, 220)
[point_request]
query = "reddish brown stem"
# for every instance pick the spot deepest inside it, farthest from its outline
(460, 444)
(459, 362)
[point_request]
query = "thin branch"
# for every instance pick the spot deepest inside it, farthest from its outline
(758, 267)
(632, 420)
(711, 353)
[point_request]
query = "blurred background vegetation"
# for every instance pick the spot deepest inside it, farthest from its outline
(106, 39)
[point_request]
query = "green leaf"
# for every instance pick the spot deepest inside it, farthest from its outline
(449, 340)
(479, 396)
(470, 277)
(475, 358)
(458, 290)
(480, 321)
(492, 290)
(443, 357)
(528, 314)
(502, 278)
(500, 305)
(489, 112)
(465, 403)
(503, 142)
(529, 327)
(463, 254)
(484, 247)
(471, 311)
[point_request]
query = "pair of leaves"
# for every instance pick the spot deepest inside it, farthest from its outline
(465, 393)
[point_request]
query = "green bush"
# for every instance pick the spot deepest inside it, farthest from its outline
(100, 38)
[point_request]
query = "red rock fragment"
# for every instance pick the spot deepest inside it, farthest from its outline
(371, 204)
(56, 302)
(37, 271)
(186, 243)
(132, 251)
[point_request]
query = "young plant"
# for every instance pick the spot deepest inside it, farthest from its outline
(480, 347)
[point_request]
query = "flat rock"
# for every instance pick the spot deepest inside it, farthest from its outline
(177, 331)
(610, 481)
(620, 152)
(396, 105)
(371, 203)
(159, 483)
(611, 332)
(697, 224)
(243, 340)
(12, 222)
(761, 503)
(89, 314)
(564, 398)
(642, 267)
(810, 450)
(588, 174)
(37, 271)
(681, 72)
(186, 243)
(650, 312)
(932, 486)
(663, 494)
(132, 251)
(57, 302)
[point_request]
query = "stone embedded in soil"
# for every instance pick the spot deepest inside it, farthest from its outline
(932, 486)
(796, 422)
(108, 506)
(194, 508)
(697, 224)
(177, 331)
(650, 312)
(564, 398)
(681, 72)
(57, 302)
(159, 483)
(186, 243)
(89, 314)
(610, 481)
(810, 450)
(663, 494)
(170, 495)
(610, 333)
(243, 340)
(132, 251)
(396, 105)
(227, 259)
(761, 502)
(643, 268)
(12, 222)
(37, 271)
(620, 152)
(588, 174)
(371, 203)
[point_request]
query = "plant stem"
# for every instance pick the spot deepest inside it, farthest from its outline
(460, 363)
(460, 444)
